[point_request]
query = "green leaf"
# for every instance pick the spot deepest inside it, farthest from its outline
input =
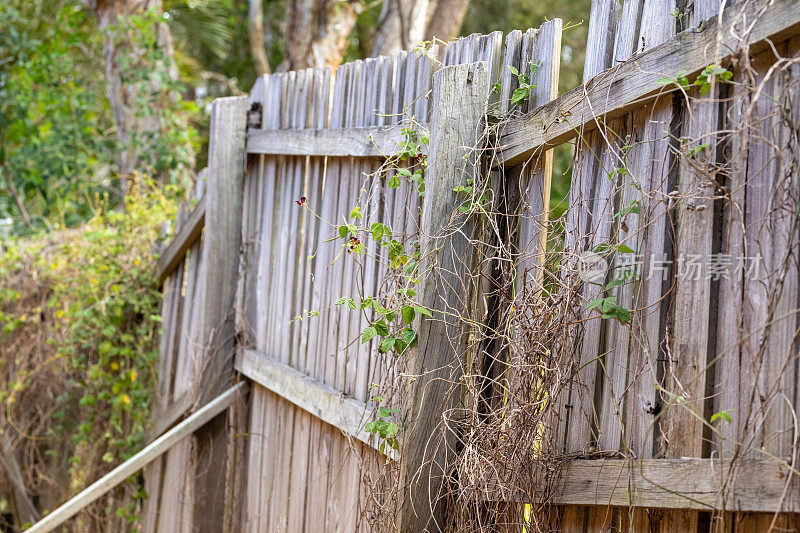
(633, 208)
(614, 283)
(383, 412)
(387, 344)
(377, 231)
(392, 429)
(382, 328)
(618, 312)
(369, 333)
(513, 70)
(341, 301)
(410, 337)
(404, 172)
(399, 345)
(423, 311)
(408, 314)
(351, 303)
(370, 427)
(356, 213)
(343, 231)
(594, 303)
(724, 415)
(394, 182)
(626, 249)
(519, 95)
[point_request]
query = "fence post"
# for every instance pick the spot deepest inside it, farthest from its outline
(220, 257)
(434, 368)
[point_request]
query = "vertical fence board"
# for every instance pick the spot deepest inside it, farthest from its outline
(460, 96)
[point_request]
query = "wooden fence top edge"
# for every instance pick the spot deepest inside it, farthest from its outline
(617, 90)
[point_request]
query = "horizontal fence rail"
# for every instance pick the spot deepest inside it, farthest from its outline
(618, 90)
(375, 141)
(321, 400)
(174, 254)
(748, 485)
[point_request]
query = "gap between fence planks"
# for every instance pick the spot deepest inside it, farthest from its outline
(370, 141)
(150, 452)
(323, 401)
(622, 88)
(175, 252)
(757, 485)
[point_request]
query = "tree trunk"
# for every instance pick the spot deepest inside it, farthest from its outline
(317, 32)
(256, 32)
(137, 110)
(446, 19)
(403, 24)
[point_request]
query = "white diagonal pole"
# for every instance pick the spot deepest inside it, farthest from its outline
(150, 452)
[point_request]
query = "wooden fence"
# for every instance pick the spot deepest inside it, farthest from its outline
(636, 417)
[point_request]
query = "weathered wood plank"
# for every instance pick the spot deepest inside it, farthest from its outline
(319, 433)
(171, 415)
(187, 235)
(364, 141)
(312, 395)
(759, 484)
(620, 89)
(459, 98)
(216, 325)
(589, 222)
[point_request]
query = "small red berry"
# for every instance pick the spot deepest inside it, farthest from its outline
(302, 201)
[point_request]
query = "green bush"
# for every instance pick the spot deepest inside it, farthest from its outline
(84, 305)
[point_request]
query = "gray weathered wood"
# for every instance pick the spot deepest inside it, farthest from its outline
(751, 485)
(175, 252)
(172, 414)
(345, 413)
(621, 88)
(364, 141)
(215, 321)
(459, 98)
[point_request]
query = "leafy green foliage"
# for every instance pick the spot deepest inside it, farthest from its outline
(722, 415)
(384, 427)
(609, 309)
(98, 326)
(711, 74)
(58, 148)
(56, 129)
(522, 92)
(411, 150)
(679, 80)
